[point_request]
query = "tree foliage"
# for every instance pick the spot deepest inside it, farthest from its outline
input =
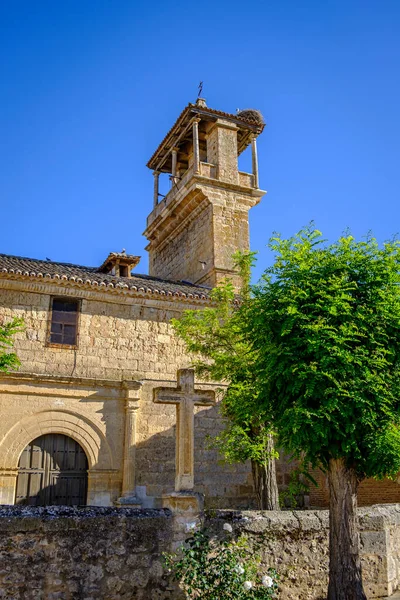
(325, 324)
(9, 360)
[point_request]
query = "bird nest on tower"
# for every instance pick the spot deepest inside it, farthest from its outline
(251, 115)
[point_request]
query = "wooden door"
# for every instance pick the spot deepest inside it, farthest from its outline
(52, 470)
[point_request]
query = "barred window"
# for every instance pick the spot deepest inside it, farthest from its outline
(64, 322)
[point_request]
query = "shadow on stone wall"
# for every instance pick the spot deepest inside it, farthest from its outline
(223, 485)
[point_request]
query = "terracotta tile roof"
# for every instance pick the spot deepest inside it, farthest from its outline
(18, 267)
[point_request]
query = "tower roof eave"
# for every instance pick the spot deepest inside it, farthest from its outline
(247, 125)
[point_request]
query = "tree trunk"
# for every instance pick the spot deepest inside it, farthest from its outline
(264, 477)
(345, 581)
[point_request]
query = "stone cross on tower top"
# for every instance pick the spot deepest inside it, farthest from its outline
(194, 230)
(185, 397)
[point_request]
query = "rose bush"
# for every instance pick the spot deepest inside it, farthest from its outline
(220, 569)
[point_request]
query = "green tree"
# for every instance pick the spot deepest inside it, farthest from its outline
(325, 325)
(215, 337)
(9, 360)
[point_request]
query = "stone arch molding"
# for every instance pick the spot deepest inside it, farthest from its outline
(77, 426)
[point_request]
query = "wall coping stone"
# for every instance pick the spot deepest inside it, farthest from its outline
(370, 518)
(33, 518)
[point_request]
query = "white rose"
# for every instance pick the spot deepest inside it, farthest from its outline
(227, 527)
(239, 569)
(267, 581)
(247, 585)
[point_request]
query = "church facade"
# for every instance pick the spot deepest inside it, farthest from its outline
(79, 421)
(93, 416)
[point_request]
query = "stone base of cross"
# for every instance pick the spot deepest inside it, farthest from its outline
(185, 397)
(187, 508)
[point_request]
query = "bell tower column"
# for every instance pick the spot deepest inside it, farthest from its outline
(196, 150)
(254, 160)
(155, 189)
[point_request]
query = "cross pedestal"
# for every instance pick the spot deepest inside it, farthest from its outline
(185, 397)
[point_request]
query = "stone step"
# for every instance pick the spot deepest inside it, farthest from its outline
(395, 596)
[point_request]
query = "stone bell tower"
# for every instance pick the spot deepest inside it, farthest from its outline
(194, 230)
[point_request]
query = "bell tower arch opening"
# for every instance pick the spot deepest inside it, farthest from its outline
(52, 470)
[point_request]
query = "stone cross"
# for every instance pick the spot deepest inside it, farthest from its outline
(185, 397)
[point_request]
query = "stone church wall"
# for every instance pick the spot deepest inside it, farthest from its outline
(120, 339)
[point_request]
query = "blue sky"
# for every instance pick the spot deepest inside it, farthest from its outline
(89, 88)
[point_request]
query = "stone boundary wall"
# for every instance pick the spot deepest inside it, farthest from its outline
(95, 553)
(62, 553)
(296, 544)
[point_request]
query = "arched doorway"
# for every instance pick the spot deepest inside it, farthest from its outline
(52, 470)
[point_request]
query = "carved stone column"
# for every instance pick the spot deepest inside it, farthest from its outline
(132, 397)
(155, 195)
(254, 161)
(196, 149)
(8, 484)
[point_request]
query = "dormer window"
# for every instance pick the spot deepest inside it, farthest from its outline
(119, 264)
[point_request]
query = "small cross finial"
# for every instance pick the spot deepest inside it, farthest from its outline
(200, 89)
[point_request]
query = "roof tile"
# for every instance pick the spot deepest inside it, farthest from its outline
(20, 266)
